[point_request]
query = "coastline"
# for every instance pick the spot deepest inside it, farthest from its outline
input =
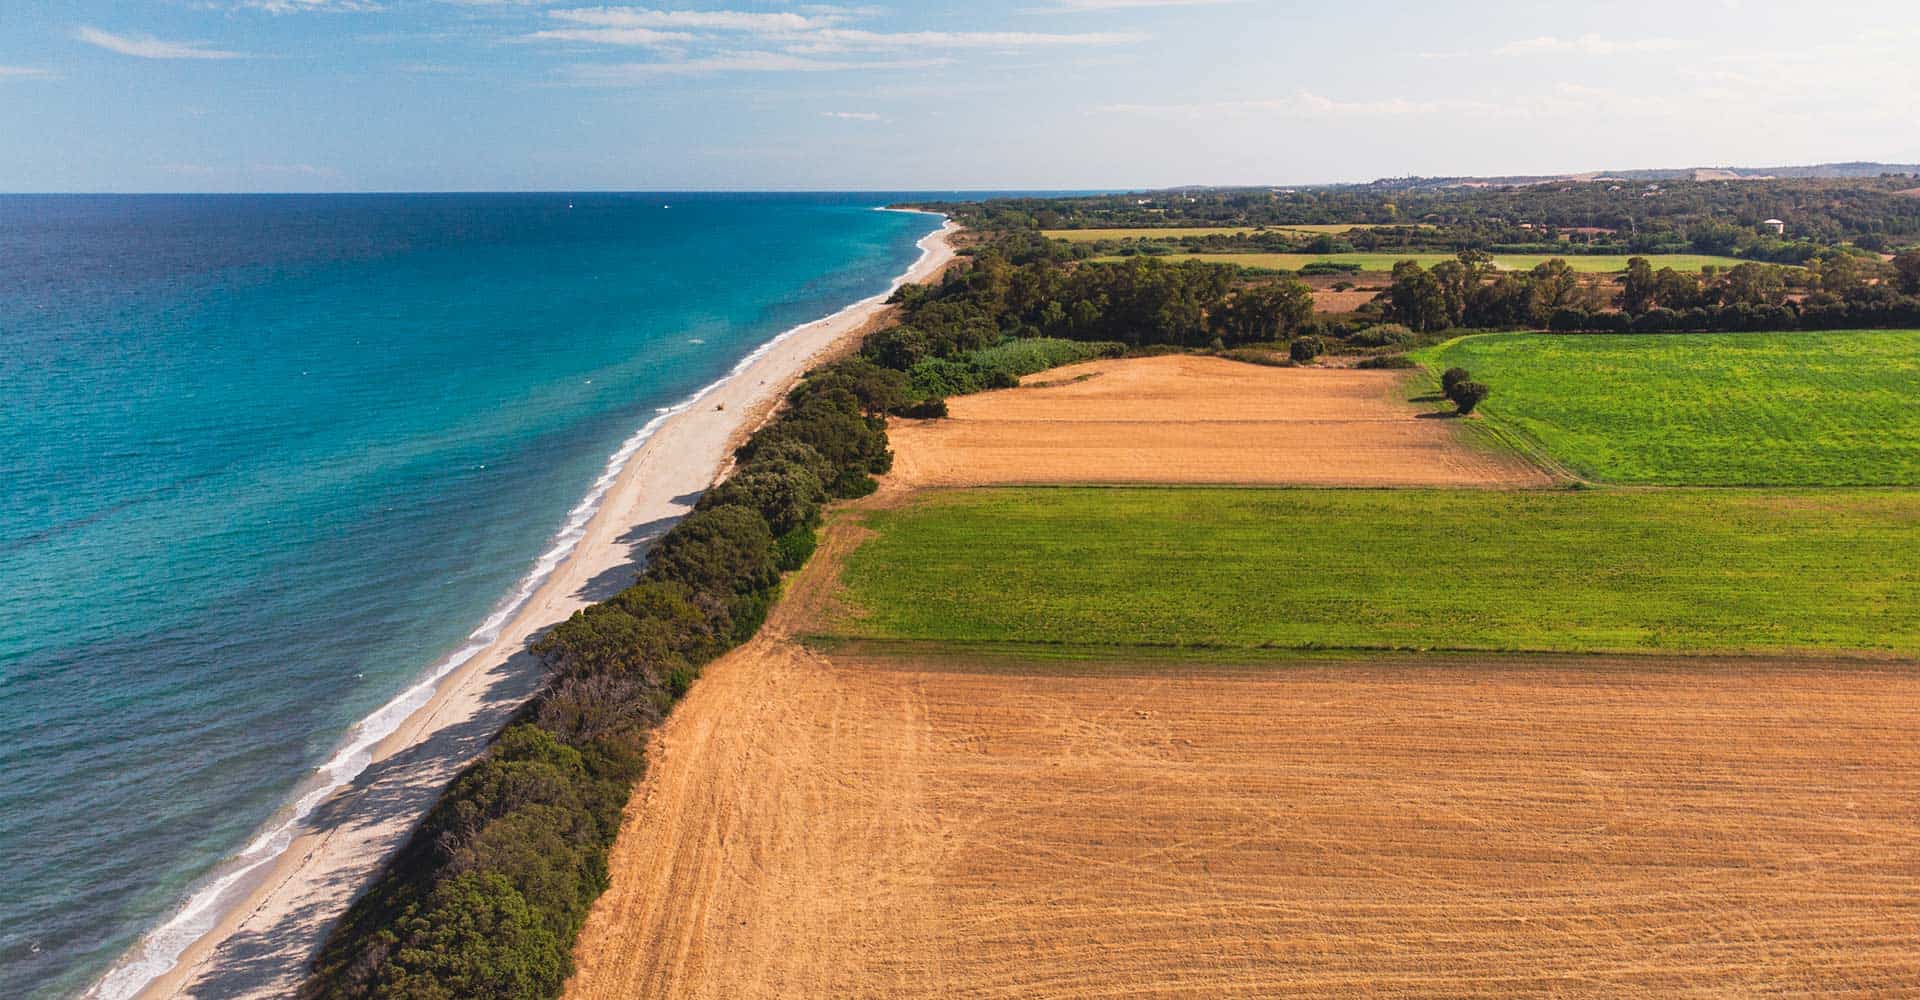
(278, 899)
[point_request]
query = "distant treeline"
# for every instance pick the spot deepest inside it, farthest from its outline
(1023, 287)
(1838, 292)
(1719, 217)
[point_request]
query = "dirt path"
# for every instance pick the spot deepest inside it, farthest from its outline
(1187, 419)
(878, 827)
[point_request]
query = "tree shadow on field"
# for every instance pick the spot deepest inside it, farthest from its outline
(1439, 415)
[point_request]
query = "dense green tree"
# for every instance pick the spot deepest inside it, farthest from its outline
(1415, 299)
(1639, 289)
(1467, 395)
(1907, 271)
(1263, 313)
(1554, 286)
(719, 550)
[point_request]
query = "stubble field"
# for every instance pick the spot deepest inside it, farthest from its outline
(1183, 419)
(852, 825)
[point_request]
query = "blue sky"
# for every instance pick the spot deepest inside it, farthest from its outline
(248, 95)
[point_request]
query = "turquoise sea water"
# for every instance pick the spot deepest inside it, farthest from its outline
(266, 459)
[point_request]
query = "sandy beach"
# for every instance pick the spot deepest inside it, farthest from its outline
(277, 916)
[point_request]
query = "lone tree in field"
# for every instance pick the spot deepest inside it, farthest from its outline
(1305, 349)
(1452, 377)
(1467, 394)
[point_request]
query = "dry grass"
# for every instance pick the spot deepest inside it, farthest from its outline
(1185, 419)
(861, 826)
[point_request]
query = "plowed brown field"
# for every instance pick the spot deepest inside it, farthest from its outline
(860, 826)
(1184, 419)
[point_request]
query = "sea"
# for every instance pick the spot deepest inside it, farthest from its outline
(268, 462)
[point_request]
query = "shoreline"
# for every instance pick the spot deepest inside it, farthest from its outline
(280, 895)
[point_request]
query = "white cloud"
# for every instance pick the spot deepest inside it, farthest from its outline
(149, 47)
(813, 33)
(855, 116)
(834, 39)
(713, 20)
(300, 6)
(1589, 45)
(624, 74)
(24, 73)
(612, 36)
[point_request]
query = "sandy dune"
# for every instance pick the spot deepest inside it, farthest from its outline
(1181, 419)
(860, 826)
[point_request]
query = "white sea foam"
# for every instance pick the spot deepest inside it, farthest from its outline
(159, 951)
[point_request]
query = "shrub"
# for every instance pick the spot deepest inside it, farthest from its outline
(1466, 395)
(1305, 349)
(721, 550)
(786, 496)
(877, 389)
(1388, 361)
(1452, 377)
(1383, 335)
(796, 547)
(926, 409)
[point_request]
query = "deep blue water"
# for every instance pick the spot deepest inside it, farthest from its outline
(263, 460)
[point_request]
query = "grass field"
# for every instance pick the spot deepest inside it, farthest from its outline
(1589, 264)
(1798, 409)
(1681, 570)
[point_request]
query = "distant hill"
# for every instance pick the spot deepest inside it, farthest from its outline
(1822, 171)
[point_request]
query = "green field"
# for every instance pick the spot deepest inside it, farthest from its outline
(1588, 264)
(1673, 570)
(1792, 409)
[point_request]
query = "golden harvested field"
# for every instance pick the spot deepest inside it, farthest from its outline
(1186, 419)
(864, 825)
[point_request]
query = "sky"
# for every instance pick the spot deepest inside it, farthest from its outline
(475, 95)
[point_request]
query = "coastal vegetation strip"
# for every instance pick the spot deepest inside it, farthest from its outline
(1796, 409)
(1563, 570)
(1182, 232)
(1384, 262)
